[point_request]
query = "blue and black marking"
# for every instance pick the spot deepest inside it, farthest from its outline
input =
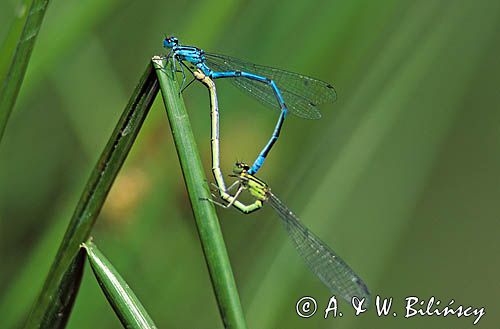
(269, 85)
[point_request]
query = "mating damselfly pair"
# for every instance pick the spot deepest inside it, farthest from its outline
(286, 91)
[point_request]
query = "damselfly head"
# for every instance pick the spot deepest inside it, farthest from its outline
(170, 42)
(240, 167)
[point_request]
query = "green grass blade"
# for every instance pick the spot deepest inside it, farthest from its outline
(206, 219)
(125, 303)
(9, 43)
(12, 83)
(93, 198)
(58, 313)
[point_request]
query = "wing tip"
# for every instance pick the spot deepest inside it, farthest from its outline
(334, 92)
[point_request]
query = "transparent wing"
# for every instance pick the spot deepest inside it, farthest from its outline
(302, 94)
(323, 261)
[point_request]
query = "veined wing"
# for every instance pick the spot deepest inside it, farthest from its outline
(302, 94)
(323, 261)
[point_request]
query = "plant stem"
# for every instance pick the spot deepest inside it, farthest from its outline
(50, 305)
(127, 306)
(205, 216)
(12, 82)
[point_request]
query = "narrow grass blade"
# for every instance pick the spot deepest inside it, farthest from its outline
(125, 303)
(9, 43)
(12, 83)
(92, 199)
(204, 213)
(67, 293)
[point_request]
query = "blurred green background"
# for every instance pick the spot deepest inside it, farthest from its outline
(400, 176)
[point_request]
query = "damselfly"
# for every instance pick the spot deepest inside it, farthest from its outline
(321, 259)
(278, 88)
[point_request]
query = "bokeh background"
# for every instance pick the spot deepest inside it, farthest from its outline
(400, 176)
